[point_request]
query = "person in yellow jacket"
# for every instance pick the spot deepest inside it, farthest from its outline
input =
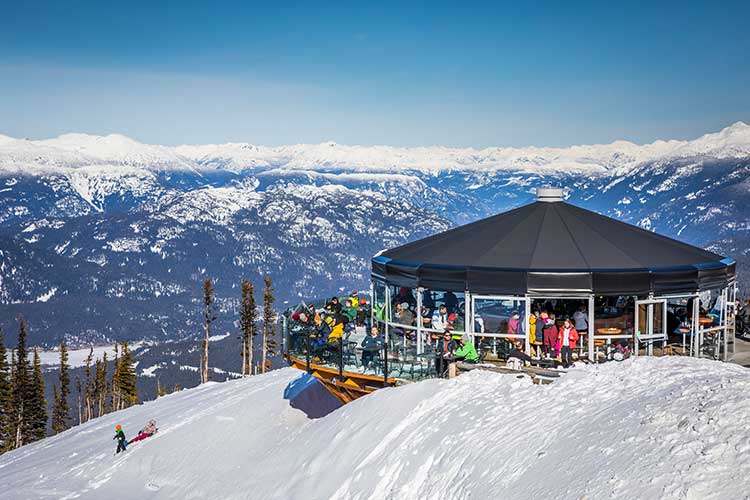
(337, 330)
(532, 330)
(532, 327)
(355, 300)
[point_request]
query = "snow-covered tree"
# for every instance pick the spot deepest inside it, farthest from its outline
(5, 397)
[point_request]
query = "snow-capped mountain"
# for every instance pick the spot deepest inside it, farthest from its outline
(107, 238)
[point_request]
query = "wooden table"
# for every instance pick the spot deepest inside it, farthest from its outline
(610, 333)
(703, 320)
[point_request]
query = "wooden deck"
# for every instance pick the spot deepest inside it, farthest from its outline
(353, 385)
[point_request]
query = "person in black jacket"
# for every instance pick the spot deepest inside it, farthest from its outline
(334, 306)
(371, 345)
(122, 443)
(443, 351)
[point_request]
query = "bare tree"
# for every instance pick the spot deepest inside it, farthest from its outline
(208, 302)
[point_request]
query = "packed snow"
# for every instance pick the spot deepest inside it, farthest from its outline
(667, 428)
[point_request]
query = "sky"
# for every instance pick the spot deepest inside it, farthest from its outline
(398, 73)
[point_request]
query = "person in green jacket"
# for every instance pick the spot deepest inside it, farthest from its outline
(349, 311)
(466, 351)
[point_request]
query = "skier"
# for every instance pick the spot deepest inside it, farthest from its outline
(146, 432)
(122, 443)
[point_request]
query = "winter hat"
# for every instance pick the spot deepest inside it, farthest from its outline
(465, 337)
(119, 427)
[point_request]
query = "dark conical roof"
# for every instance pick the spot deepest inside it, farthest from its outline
(553, 246)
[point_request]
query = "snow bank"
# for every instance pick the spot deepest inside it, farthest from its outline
(647, 428)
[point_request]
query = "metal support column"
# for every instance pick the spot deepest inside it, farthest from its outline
(725, 320)
(527, 324)
(387, 336)
(592, 330)
(694, 346)
(468, 317)
(420, 346)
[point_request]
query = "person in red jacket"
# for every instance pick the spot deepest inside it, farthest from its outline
(567, 336)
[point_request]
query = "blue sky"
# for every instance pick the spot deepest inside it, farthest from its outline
(398, 73)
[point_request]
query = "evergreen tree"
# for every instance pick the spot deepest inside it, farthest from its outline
(114, 385)
(208, 303)
(79, 400)
(22, 392)
(5, 397)
(269, 325)
(61, 410)
(38, 405)
(248, 318)
(100, 386)
(126, 380)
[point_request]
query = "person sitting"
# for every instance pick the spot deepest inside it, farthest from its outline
(334, 306)
(363, 313)
(337, 329)
(322, 330)
(517, 358)
(514, 324)
(621, 351)
(567, 337)
(440, 318)
(148, 431)
(405, 316)
(443, 352)
(466, 351)
(348, 315)
(371, 344)
(354, 298)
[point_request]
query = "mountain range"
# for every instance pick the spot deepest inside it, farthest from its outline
(104, 238)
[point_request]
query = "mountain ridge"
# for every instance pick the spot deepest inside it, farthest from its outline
(77, 149)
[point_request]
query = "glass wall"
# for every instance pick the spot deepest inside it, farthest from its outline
(680, 323)
(444, 311)
(614, 327)
(499, 322)
(712, 322)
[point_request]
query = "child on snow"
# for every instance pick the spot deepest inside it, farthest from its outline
(122, 443)
(147, 431)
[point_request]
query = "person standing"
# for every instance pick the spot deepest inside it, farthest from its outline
(567, 337)
(122, 443)
(581, 322)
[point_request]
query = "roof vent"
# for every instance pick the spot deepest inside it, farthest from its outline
(549, 194)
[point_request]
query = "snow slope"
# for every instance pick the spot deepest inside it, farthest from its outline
(649, 428)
